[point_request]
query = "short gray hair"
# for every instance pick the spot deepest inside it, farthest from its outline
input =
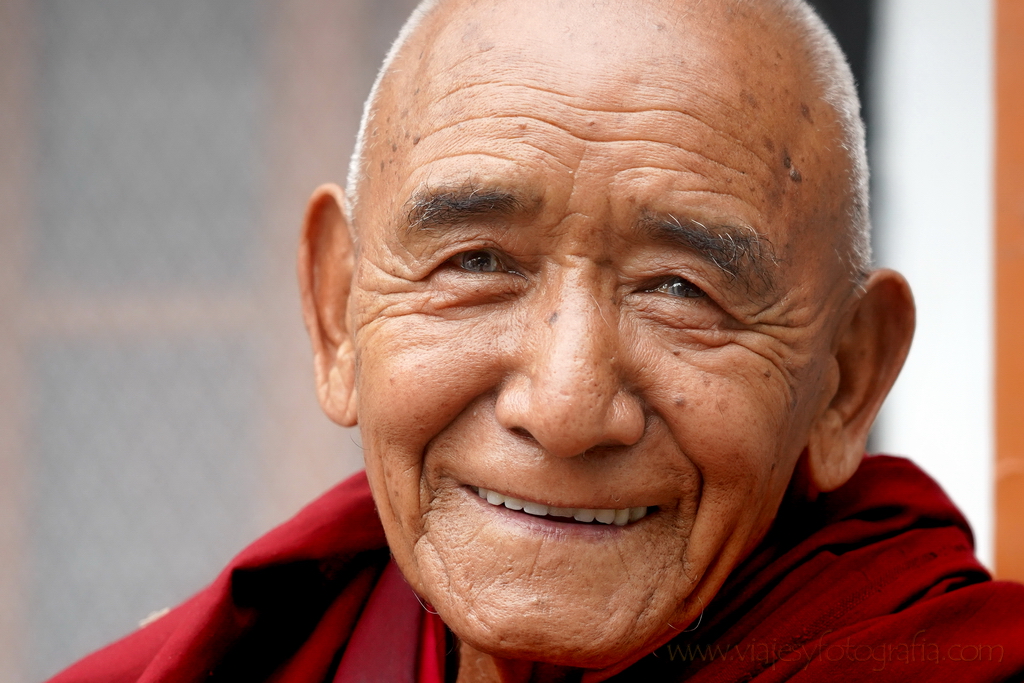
(833, 76)
(839, 91)
(356, 166)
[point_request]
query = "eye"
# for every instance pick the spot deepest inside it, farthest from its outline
(479, 261)
(679, 287)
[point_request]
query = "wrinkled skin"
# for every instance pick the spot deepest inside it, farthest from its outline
(550, 345)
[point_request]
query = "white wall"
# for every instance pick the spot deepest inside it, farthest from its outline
(933, 193)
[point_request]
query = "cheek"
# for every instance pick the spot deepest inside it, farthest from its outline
(735, 425)
(416, 374)
(725, 409)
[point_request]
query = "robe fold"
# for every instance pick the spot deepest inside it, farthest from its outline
(876, 581)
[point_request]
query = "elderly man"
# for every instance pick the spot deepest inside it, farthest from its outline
(599, 298)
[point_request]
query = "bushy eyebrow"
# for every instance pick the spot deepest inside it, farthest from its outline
(444, 207)
(738, 251)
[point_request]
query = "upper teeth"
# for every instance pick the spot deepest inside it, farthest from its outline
(605, 516)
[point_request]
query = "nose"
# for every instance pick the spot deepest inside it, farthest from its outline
(568, 392)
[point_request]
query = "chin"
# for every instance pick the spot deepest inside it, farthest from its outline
(547, 590)
(587, 624)
(549, 641)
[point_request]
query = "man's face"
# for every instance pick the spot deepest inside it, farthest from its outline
(589, 280)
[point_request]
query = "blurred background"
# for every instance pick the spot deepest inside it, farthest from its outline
(156, 398)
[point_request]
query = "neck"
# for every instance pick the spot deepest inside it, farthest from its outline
(479, 667)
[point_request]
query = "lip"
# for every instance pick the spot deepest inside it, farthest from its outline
(551, 525)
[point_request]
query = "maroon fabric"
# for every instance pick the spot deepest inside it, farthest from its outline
(386, 640)
(876, 581)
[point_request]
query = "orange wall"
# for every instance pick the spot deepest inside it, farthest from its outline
(1009, 264)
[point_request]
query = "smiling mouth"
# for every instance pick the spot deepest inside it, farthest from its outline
(618, 517)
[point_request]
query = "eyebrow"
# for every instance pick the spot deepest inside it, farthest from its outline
(444, 207)
(738, 251)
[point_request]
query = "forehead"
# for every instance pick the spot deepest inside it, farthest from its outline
(661, 103)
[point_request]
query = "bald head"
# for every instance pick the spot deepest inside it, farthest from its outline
(785, 40)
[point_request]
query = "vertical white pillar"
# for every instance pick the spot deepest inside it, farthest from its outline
(933, 222)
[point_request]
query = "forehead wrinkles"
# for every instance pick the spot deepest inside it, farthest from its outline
(546, 129)
(508, 75)
(598, 105)
(703, 127)
(438, 85)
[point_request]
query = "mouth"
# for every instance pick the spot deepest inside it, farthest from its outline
(618, 517)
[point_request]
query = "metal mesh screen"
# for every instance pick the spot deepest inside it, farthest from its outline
(156, 388)
(149, 122)
(142, 483)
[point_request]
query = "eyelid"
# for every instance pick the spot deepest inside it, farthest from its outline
(668, 279)
(506, 263)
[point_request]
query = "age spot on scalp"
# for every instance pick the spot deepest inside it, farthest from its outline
(794, 174)
(806, 112)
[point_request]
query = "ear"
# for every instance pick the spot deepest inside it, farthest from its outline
(326, 262)
(870, 347)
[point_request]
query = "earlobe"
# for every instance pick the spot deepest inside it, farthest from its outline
(325, 268)
(339, 399)
(830, 460)
(871, 346)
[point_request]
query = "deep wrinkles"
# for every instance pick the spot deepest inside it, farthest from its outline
(684, 534)
(548, 153)
(669, 92)
(728, 249)
(613, 140)
(655, 110)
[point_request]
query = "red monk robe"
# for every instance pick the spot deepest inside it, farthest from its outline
(876, 581)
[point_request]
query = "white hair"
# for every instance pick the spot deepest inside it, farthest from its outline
(832, 74)
(356, 166)
(839, 91)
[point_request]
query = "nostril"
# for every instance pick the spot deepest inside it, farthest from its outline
(522, 433)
